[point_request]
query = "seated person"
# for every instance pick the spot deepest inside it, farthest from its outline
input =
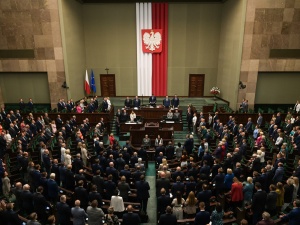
(170, 115)
(132, 116)
(158, 141)
(152, 100)
(123, 117)
(146, 141)
(176, 115)
(167, 102)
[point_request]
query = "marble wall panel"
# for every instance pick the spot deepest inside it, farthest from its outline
(33, 24)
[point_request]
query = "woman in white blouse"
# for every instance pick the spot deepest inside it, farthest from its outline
(132, 116)
(68, 158)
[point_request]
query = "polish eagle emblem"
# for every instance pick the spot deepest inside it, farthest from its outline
(152, 41)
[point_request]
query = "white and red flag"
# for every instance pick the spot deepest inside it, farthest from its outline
(152, 37)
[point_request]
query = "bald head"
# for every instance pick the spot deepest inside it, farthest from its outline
(129, 208)
(77, 203)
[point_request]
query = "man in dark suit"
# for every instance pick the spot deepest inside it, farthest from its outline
(111, 170)
(30, 105)
(58, 122)
(219, 181)
(167, 102)
(204, 196)
(104, 105)
(94, 195)
(177, 173)
(189, 144)
(152, 100)
(248, 126)
(177, 186)
(81, 194)
(40, 204)
(162, 182)
(69, 178)
(77, 163)
(297, 171)
(271, 201)
(288, 128)
(63, 211)
(143, 188)
(27, 200)
(9, 216)
(136, 102)
(124, 117)
(278, 120)
(109, 187)
(258, 203)
(293, 216)
(202, 217)
(46, 161)
(127, 102)
(52, 188)
(131, 218)
(259, 120)
(99, 182)
(162, 202)
(175, 102)
(168, 218)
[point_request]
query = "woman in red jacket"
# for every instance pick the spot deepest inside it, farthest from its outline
(111, 139)
(237, 195)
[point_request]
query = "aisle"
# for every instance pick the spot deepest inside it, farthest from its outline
(151, 208)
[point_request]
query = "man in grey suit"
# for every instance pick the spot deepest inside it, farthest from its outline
(78, 214)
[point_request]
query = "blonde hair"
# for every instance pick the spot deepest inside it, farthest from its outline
(191, 199)
(229, 171)
(250, 180)
(296, 181)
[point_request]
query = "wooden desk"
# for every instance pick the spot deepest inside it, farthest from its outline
(152, 113)
(125, 127)
(137, 135)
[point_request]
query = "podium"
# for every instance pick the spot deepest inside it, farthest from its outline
(152, 129)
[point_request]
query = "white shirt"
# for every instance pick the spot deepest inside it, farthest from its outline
(117, 203)
(194, 120)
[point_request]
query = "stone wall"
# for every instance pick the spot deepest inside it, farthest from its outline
(270, 24)
(34, 24)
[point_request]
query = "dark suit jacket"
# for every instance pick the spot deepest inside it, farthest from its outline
(128, 103)
(167, 219)
(162, 202)
(271, 201)
(136, 103)
(152, 101)
(177, 186)
(27, 201)
(131, 219)
(99, 182)
(293, 217)
(10, 218)
(167, 103)
(110, 187)
(40, 203)
(142, 189)
(63, 213)
(259, 201)
(52, 189)
(81, 194)
(175, 102)
(162, 183)
(95, 196)
(70, 180)
(202, 218)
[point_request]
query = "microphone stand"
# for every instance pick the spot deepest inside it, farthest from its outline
(142, 99)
